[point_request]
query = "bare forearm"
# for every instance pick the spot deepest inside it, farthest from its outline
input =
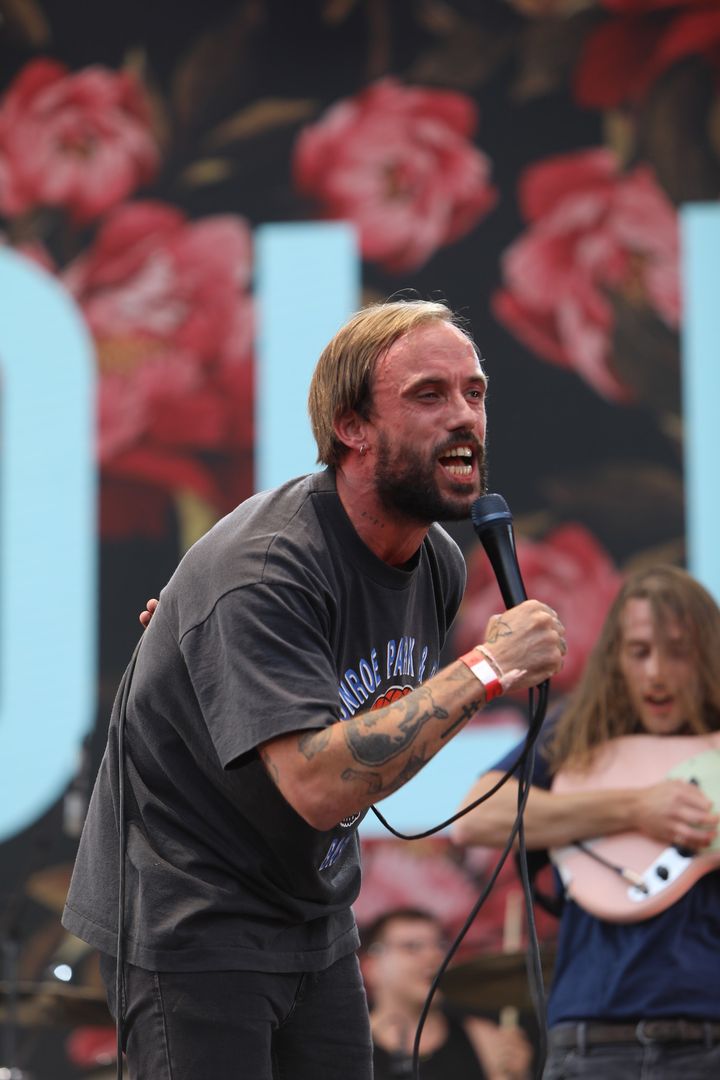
(550, 820)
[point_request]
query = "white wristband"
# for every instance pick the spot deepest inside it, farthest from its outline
(482, 671)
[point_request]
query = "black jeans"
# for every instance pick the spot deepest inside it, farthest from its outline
(244, 1025)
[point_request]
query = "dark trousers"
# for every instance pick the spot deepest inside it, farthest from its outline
(244, 1025)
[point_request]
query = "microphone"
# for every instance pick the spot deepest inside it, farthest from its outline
(493, 524)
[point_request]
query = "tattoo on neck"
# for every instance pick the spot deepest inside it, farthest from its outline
(372, 519)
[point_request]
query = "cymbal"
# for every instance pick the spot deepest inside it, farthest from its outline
(51, 1004)
(491, 981)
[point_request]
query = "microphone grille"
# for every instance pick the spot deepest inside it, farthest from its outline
(489, 508)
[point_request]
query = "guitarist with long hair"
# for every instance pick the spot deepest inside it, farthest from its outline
(625, 795)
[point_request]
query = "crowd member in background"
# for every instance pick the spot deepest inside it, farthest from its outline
(631, 999)
(288, 679)
(401, 953)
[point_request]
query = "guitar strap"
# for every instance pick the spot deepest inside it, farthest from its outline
(552, 903)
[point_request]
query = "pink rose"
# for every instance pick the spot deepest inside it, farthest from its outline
(399, 163)
(168, 306)
(570, 571)
(78, 141)
(593, 231)
(626, 55)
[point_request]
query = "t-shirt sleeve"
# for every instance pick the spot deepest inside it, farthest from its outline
(261, 666)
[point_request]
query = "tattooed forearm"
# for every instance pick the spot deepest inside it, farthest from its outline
(465, 713)
(373, 780)
(412, 766)
(499, 628)
(311, 743)
(370, 747)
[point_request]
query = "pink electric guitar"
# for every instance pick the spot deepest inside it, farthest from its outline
(628, 877)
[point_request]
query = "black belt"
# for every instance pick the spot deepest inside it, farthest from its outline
(590, 1033)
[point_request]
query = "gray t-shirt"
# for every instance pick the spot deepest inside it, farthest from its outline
(280, 619)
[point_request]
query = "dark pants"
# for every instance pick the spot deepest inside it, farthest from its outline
(244, 1025)
(633, 1061)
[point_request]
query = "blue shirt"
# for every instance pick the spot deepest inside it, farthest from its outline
(665, 966)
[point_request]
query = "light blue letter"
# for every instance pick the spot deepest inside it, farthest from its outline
(47, 541)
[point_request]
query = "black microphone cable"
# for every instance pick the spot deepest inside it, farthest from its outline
(525, 764)
(124, 692)
(492, 522)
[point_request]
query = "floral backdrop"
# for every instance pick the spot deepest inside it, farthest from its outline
(523, 159)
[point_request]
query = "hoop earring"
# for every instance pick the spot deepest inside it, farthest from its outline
(363, 449)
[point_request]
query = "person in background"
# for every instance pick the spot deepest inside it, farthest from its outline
(288, 679)
(401, 952)
(635, 999)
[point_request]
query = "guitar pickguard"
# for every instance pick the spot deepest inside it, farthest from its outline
(660, 875)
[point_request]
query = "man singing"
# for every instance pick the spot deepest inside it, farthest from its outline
(288, 680)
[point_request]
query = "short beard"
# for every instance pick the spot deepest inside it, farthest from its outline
(410, 488)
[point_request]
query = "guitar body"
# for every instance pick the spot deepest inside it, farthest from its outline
(667, 873)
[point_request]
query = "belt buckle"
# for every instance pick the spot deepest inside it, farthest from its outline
(648, 1032)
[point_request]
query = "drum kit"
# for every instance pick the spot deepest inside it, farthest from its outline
(48, 1001)
(490, 982)
(484, 984)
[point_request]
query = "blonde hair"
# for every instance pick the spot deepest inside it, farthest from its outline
(342, 380)
(600, 707)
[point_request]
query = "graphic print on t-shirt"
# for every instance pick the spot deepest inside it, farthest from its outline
(400, 658)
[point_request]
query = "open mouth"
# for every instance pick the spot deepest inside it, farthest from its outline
(458, 462)
(659, 701)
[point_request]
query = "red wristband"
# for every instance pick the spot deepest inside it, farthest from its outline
(482, 670)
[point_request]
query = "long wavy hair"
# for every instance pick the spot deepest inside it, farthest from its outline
(600, 707)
